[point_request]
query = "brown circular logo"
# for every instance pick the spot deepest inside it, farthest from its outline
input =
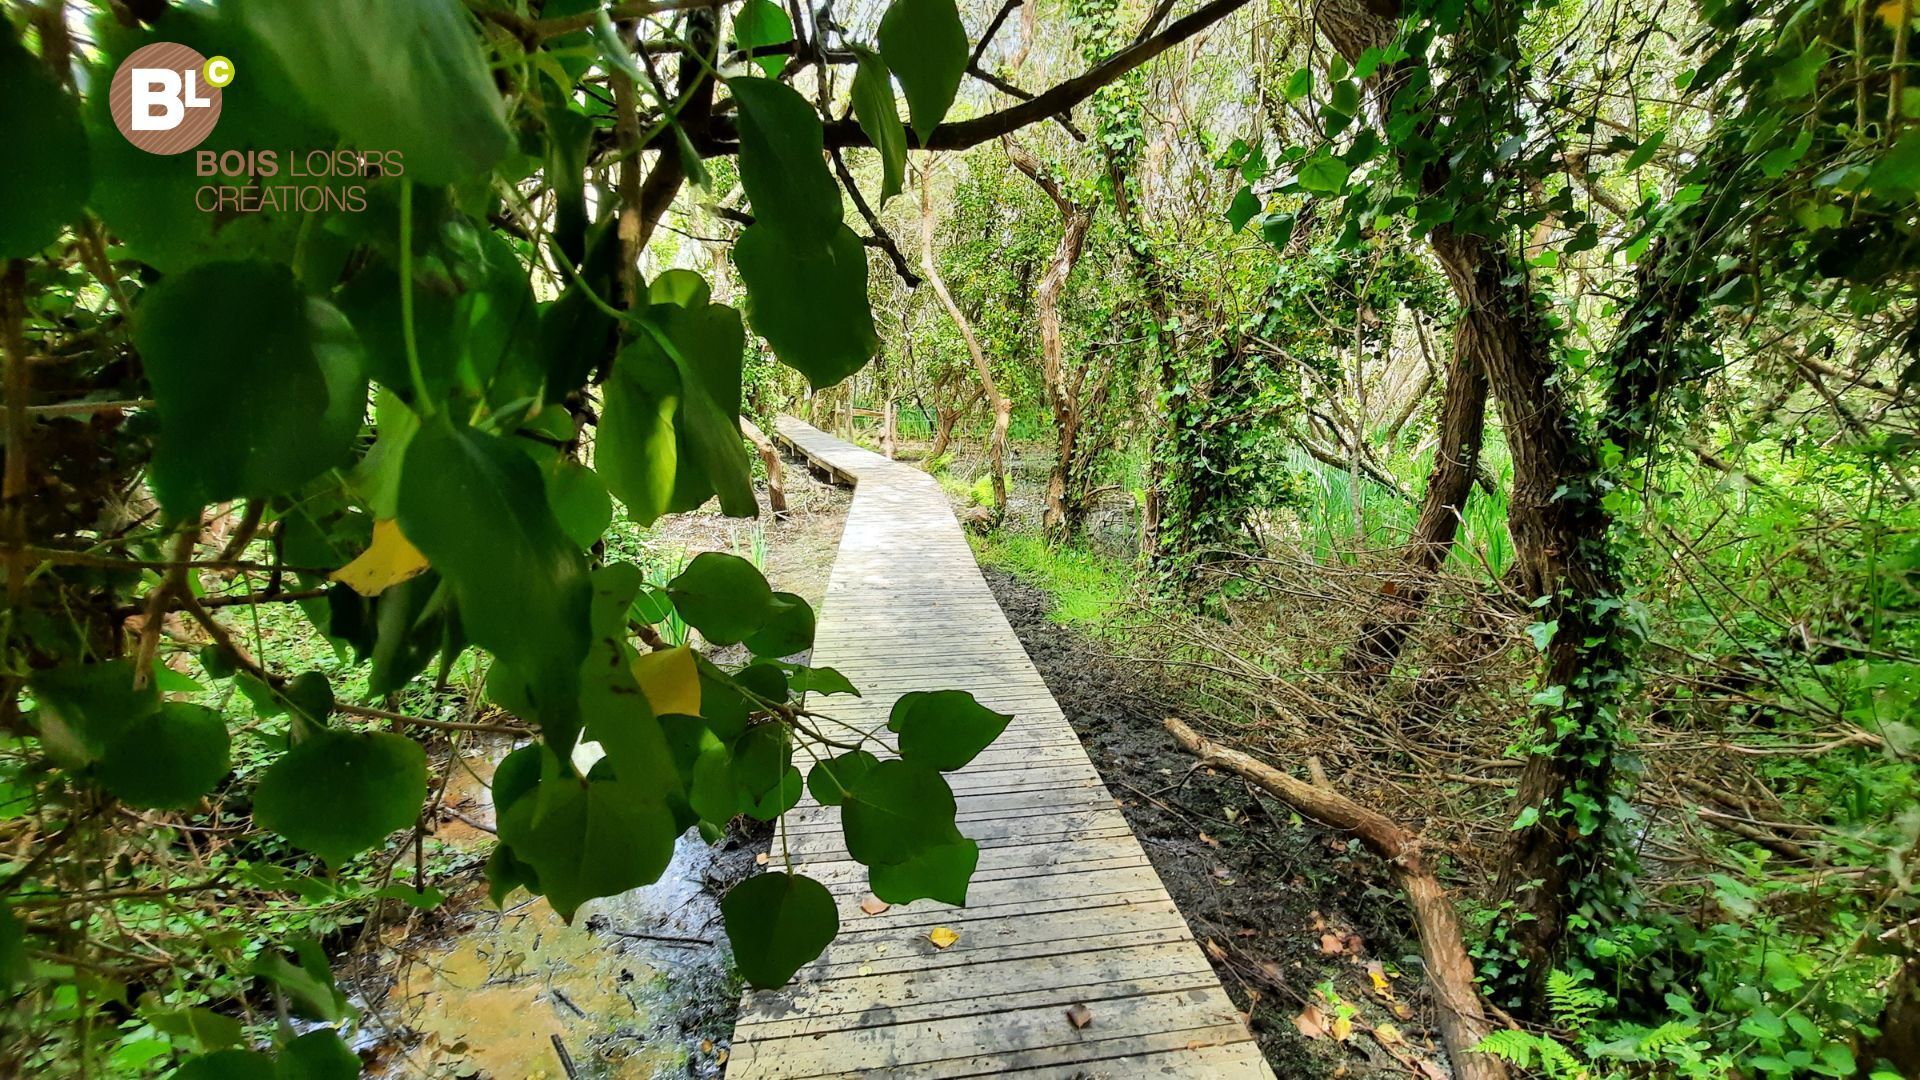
(162, 99)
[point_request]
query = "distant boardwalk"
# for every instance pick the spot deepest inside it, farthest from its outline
(1064, 910)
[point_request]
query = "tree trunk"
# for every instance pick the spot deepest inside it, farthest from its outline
(1065, 493)
(770, 457)
(1560, 535)
(888, 434)
(1461, 1014)
(1002, 406)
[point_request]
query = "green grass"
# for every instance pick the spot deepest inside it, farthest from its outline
(1086, 587)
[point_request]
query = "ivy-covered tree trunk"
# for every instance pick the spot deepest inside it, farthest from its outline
(1067, 478)
(1560, 529)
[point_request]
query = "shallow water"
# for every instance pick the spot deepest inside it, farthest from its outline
(637, 987)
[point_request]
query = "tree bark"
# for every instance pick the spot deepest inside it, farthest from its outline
(1002, 406)
(1065, 505)
(770, 457)
(1561, 552)
(1462, 1016)
(887, 431)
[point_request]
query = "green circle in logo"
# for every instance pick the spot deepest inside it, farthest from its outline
(218, 71)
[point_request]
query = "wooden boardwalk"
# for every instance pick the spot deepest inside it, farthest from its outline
(1064, 910)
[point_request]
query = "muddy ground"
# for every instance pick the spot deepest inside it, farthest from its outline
(1283, 908)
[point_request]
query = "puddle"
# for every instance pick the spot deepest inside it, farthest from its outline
(638, 987)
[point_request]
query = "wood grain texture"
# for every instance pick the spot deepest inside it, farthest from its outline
(1064, 910)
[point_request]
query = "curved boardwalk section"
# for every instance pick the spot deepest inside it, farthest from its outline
(1064, 910)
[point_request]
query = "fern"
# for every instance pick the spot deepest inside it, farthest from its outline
(1671, 1033)
(1572, 1002)
(1520, 1047)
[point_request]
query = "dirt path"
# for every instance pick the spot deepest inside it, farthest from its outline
(1282, 908)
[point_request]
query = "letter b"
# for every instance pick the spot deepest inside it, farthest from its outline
(156, 87)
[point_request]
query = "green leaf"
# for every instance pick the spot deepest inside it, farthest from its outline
(1300, 84)
(317, 1055)
(411, 76)
(703, 347)
(941, 872)
(762, 22)
(253, 403)
(829, 780)
(1645, 151)
(778, 923)
(1528, 816)
(788, 628)
(589, 839)
(722, 596)
(944, 728)
(681, 288)
(809, 301)
(44, 186)
(83, 708)
(227, 1065)
(308, 985)
(579, 501)
(209, 1029)
(781, 167)
(340, 793)
(1245, 205)
(475, 506)
(505, 873)
(1899, 170)
(897, 811)
(637, 446)
(925, 47)
(1277, 229)
(371, 301)
(1323, 174)
(819, 680)
(167, 759)
(874, 108)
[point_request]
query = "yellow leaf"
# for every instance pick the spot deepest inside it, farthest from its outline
(389, 560)
(670, 680)
(942, 937)
(1341, 1028)
(1892, 12)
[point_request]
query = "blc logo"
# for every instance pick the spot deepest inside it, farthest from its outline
(165, 98)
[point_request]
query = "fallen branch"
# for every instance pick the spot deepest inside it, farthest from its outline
(1463, 1017)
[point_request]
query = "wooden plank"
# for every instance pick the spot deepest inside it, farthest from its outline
(1064, 909)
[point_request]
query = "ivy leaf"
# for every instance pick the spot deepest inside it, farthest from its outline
(703, 347)
(830, 780)
(944, 728)
(762, 22)
(809, 301)
(778, 923)
(251, 404)
(1277, 229)
(637, 447)
(925, 47)
(897, 811)
(339, 793)
(578, 499)
(1300, 84)
(879, 117)
(788, 628)
(45, 189)
(317, 1055)
(167, 759)
(410, 76)
(722, 596)
(589, 839)
(476, 507)
(941, 872)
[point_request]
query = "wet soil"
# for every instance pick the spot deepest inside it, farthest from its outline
(1289, 913)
